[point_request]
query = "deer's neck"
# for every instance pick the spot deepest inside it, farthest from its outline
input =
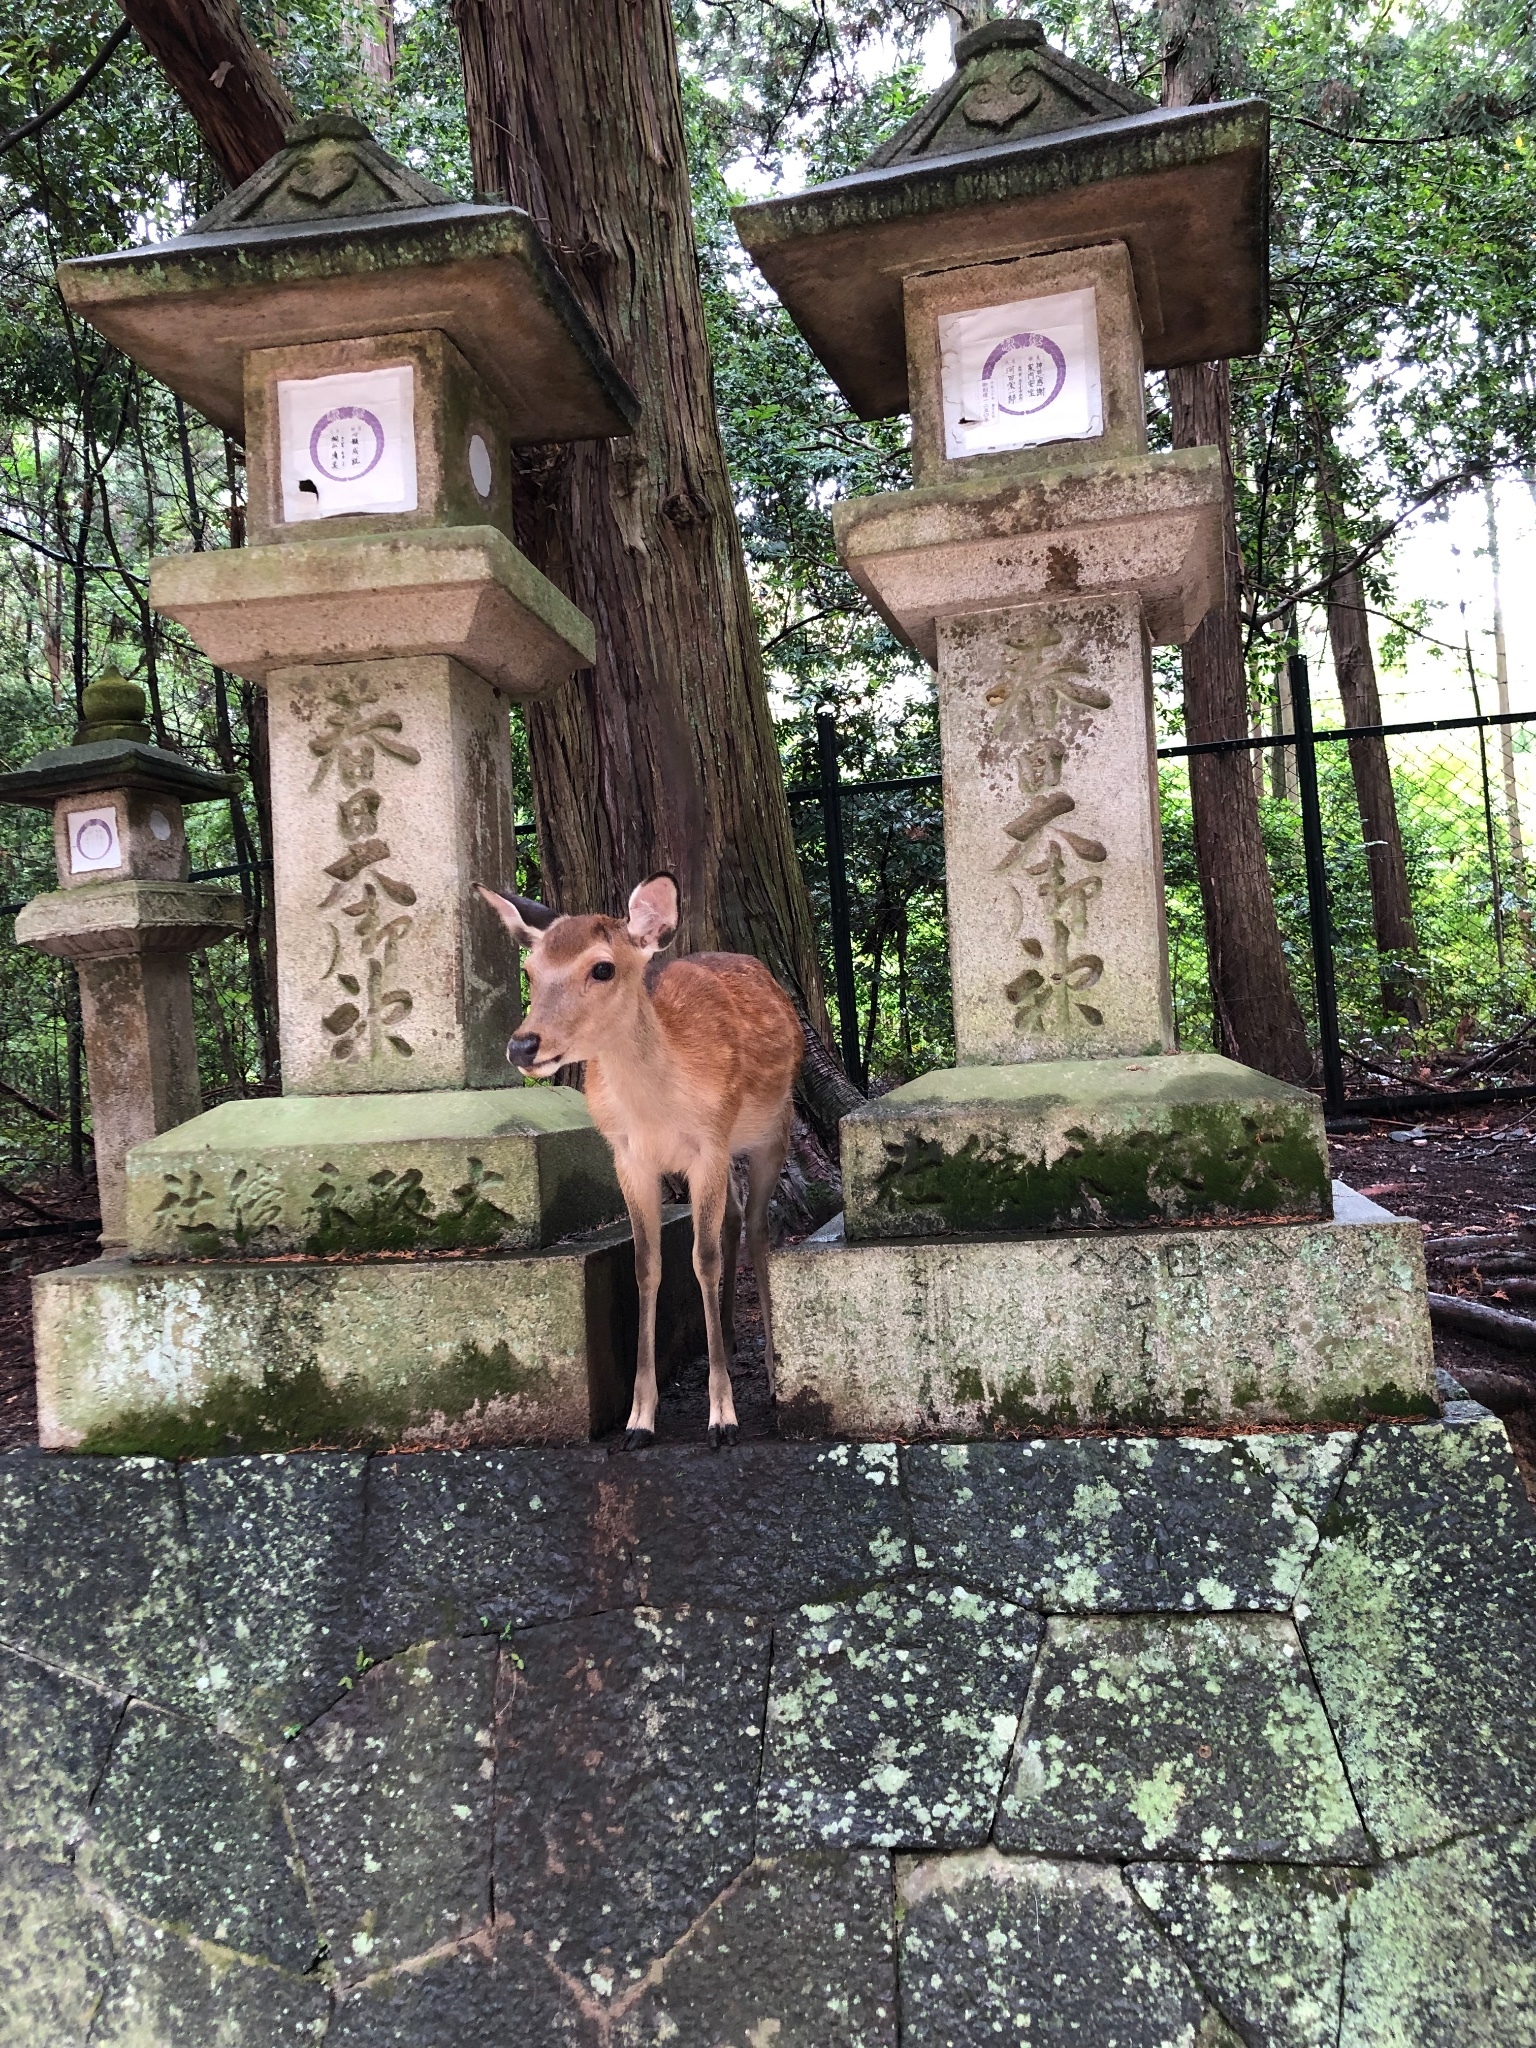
(635, 1074)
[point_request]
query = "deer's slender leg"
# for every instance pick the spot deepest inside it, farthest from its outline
(642, 1198)
(730, 1243)
(764, 1167)
(708, 1179)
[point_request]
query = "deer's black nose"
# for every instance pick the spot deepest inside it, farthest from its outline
(523, 1050)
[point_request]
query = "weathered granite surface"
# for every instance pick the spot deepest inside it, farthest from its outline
(1125, 1329)
(195, 1356)
(1183, 1736)
(1429, 1565)
(479, 1169)
(891, 1718)
(986, 1937)
(1173, 1741)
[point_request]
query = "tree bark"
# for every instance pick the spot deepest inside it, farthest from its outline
(1258, 1019)
(1354, 666)
(222, 76)
(663, 755)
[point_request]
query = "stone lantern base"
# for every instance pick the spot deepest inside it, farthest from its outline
(217, 1356)
(1240, 1324)
(448, 1267)
(1064, 1144)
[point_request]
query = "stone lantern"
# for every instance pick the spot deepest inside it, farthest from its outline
(380, 349)
(126, 915)
(1076, 1222)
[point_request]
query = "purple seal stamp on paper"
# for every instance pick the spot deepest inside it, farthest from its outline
(1024, 374)
(347, 443)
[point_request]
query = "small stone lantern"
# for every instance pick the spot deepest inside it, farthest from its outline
(127, 916)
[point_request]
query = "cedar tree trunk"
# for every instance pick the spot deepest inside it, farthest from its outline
(1355, 669)
(663, 755)
(1258, 1019)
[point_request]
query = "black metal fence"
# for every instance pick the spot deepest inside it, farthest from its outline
(1433, 1025)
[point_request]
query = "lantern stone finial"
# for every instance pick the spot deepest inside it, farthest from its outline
(112, 708)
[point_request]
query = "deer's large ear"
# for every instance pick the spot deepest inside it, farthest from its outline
(523, 918)
(653, 913)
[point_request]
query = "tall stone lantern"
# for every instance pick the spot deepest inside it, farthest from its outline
(126, 915)
(379, 349)
(1076, 1222)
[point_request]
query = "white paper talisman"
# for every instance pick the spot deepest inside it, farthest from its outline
(1017, 375)
(93, 841)
(348, 443)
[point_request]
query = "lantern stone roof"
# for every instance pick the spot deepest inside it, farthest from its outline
(1023, 150)
(1008, 83)
(112, 750)
(333, 239)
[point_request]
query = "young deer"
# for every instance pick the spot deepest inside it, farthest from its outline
(689, 1063)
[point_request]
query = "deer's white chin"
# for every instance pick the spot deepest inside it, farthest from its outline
(542, 1069)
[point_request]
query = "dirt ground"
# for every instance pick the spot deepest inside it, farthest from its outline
(1456, 1173)
(1460, 1173)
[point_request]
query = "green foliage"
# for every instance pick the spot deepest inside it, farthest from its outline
(1467, 995)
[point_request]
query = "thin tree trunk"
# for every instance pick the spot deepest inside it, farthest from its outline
(1354, 667)
(378, 43)
(663, 755)
(1506, 732)
(1391, 902)
(1258, 1019)
(873, 1017)
(222, 76)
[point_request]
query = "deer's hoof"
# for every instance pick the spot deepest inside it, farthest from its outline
(637, 1439)
(722, 1435)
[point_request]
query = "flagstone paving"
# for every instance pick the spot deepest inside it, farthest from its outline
(1118, 1742)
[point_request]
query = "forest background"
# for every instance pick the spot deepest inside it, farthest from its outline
(1397, 381)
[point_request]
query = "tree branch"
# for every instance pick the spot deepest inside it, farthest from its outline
(221, 75)
(1375, 141)
(82, 84)
(1373, 546)
(41, 547)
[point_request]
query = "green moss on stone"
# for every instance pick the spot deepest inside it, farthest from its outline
(302, 1407)
(1202, 1159)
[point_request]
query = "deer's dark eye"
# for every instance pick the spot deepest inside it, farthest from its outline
(603, 971)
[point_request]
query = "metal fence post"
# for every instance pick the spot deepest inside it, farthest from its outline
(1319, 913)
(837, 895)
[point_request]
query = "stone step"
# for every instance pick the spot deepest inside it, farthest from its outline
(1063, 1144)
(505, 1169)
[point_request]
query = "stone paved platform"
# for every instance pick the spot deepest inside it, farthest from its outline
(1116, 1742)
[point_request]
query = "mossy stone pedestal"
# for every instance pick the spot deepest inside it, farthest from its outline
(188, 1358)
(1068, 1144)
